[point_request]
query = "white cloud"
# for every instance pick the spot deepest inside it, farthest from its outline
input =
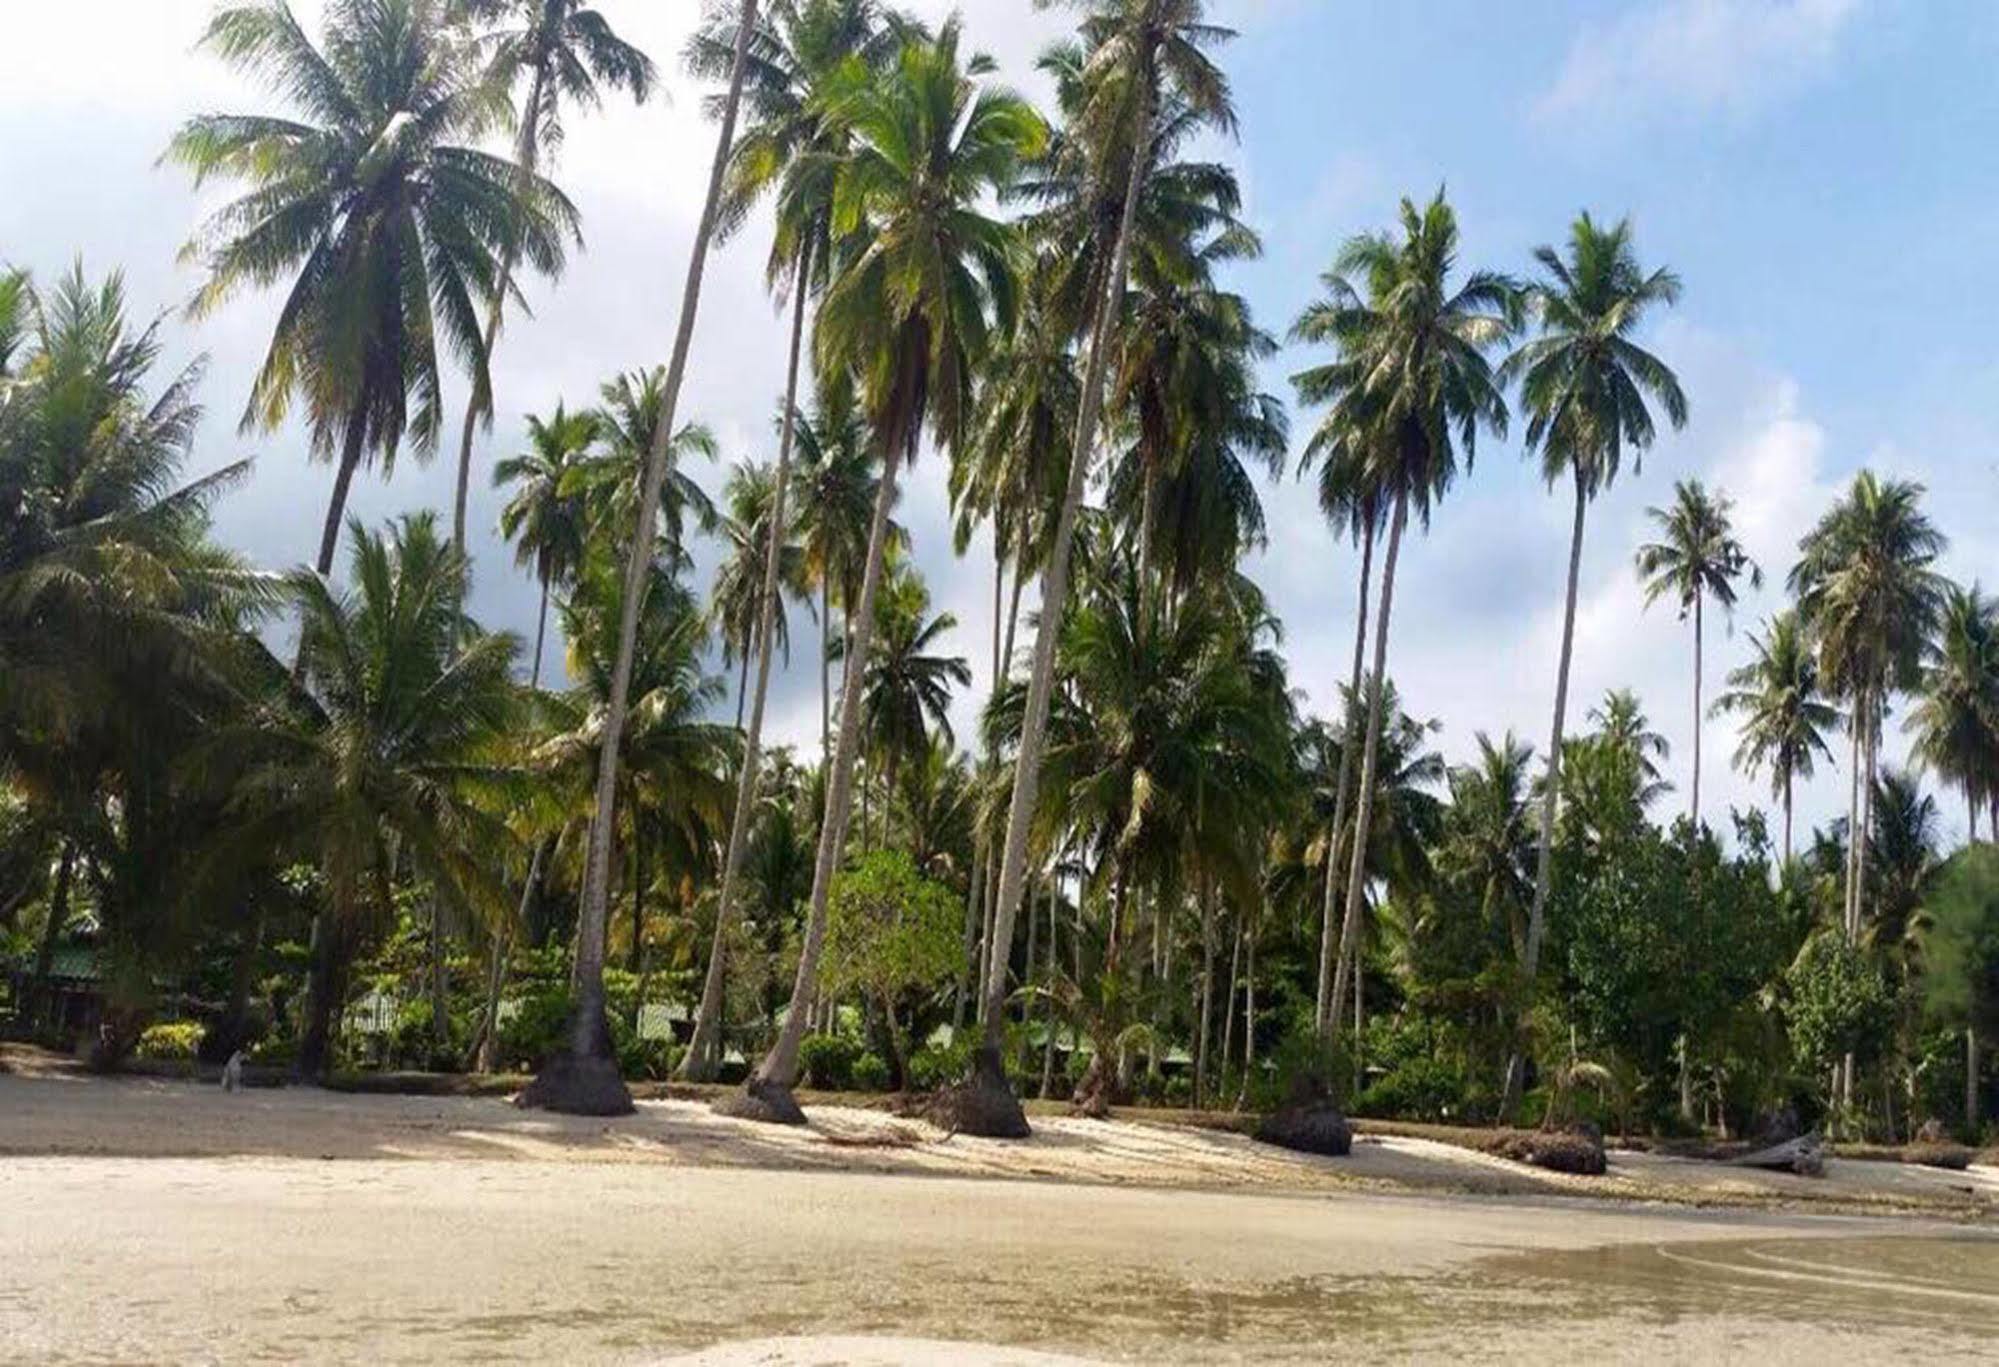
(1697, 57)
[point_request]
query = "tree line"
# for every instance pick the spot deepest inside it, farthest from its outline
(1150, 872)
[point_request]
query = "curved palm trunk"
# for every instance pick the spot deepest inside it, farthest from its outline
(779, 1068)
(698, 1063)
(1695, 805)
(1324, 1013)
(826, 670)
(480, 402)
(1369, 756)
(540, 634)
(1544, 861)
(1054, 596)
(351, 450)
(586, 1080)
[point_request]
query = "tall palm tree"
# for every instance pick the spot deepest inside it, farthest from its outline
(741, 601)
(585, 1078)
(1587, 389)
(918, 263)
(1696, 558)
(1492, 832)
(391, 231)
(1868, 595)
(836, 484)
(905, 686)
(1784, 712)
(404, 703)
(628, 423)
(546, 518)
(1414, 368)
(567, 53)
(1956, 715)
(1140, 55)
(791, 147)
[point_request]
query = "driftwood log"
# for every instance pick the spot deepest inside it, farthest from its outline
(1804, 1155)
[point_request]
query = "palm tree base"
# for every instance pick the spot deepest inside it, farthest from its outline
(983, 1104)
(1308, 1127)
(767, 1103)
(577, 1084)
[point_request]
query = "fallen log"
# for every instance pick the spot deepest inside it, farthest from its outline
(1804, 1155)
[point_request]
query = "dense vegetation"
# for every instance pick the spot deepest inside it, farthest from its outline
(323, 816)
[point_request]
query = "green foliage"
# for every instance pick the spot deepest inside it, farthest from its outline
(828, 1061)
(1836, 1001)
(1411, 1079)
(170, 1040)
(1961, 949)
(890, 929)
(870, 1074)
(537, 1028)
(940, 1065)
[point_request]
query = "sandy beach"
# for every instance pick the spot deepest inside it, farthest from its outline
(163, 1221)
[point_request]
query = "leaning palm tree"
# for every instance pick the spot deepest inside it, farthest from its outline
(404, 701)
(390, 230)
(1697, 558)
(920, 274)
(1784, 712)
(567, 53)
(1414, 370)
(791, 147)
(546, 518)
(585, 1079)
(1956, 716)
(1587, 390)
(1141, 55)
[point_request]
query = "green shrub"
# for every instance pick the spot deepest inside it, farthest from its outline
(539, 1028)
(939, 1065)
(653, 1059)
(828, 1061)
(1415, 1089)
(172, 1040)
(870, 1074)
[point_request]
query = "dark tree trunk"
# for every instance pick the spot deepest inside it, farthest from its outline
(58, 919)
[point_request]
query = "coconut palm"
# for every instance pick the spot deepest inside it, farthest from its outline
(905, 686)
(740, 598)
(1697, 558)
(1588, 390)
(567, 54)
(1413, 371)
(1784, 712)
(1955, 718)
(917, 265)
(405, 701)
(391, 229)
(547, 518)
(628, 424)
(791, 147)
(1868, 595)
(1141, 57)
(585, 1079)
(1492, 832)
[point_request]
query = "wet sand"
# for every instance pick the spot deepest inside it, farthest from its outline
(305, 1226)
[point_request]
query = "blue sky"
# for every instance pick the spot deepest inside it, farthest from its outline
(1820, 173)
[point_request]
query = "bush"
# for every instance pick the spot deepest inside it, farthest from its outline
(1415, 1089)
(828, 1061)
(539, 1028)
(940, 1065)
(170, 1040)
(870, 1074)
(654, 1059)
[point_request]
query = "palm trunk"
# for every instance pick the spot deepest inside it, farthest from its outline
(1048, 1041)
(1012, 621)
(1971, 1116)
(698, 1063)
(1377, 692)
(1228, 999)
(1055, 579)
(321, 999)
(351, 451)
(1787, 818)
(590, 1040)
(742, 686)
(1849, 918)
(1696, 802)
(1327, 940)
(1248, 1012)
(480, 403)
(540, 632)
(486, 1048)
(440, 1005)
(1544, 863)
(780, 1066)
(999, 586)
(634, 958)
(969, 972)
(826, 670)
(1207, 997)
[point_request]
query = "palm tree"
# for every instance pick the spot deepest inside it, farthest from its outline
(905, 688)
(628, 421)
(917, 265)
(1868, 595)
(585, 1079)
(392, 233)
(546, 519)
(1142, 55)
(1956, 715)
(741, 598)
(1492, 832)
(1697, 558)
(792, 147)
(1413, 370)
(1587, 390)
(1784, 712)
(567, 52)
(405, 700)
(836, 487)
